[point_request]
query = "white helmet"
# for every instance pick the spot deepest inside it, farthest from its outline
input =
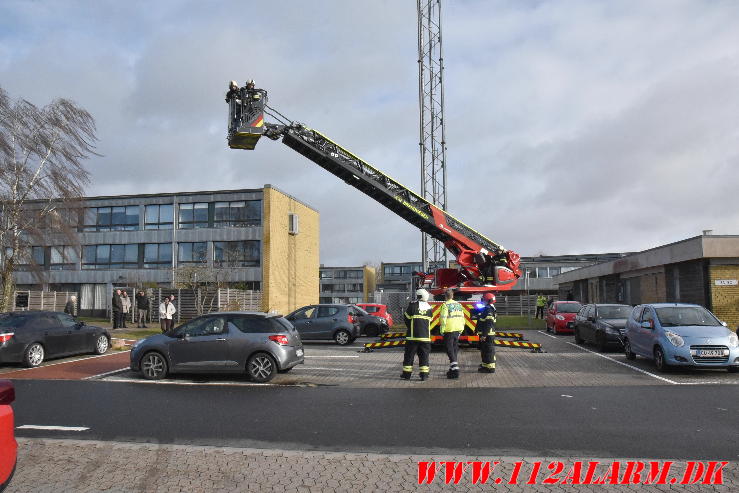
(422, 294)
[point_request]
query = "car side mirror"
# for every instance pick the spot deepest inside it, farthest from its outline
(647, 325)
(724, 324)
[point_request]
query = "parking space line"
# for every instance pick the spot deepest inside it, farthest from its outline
(331, 356)
(52, 428)
(232, 384)
(100, 375)
(71, 361)
(615, 360)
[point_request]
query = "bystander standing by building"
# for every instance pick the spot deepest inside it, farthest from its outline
(166, 311)
(125, 308)
(142, 309)
(71, 307)
(117, 307)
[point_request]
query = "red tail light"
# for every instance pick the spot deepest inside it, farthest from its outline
(279, 339)
(7, 392)
(5, 337)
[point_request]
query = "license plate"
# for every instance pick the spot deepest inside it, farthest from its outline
(710, 352)
(299, 352)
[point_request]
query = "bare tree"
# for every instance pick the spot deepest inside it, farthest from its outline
(203, 280)
(42, 176)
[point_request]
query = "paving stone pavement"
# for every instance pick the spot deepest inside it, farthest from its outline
(57, 466)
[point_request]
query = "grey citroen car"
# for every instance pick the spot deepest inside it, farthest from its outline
(257, 344)
(327, 321)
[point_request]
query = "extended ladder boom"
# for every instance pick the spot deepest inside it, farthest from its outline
(484, 264)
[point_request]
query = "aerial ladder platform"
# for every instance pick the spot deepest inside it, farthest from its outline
(483, 265)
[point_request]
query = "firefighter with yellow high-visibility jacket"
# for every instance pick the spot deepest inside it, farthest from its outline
(451, 325)
(418, 336)
(485, 328)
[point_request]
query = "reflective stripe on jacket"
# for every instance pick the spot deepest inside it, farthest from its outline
(486, 318)
(451, 317)
(418, 321)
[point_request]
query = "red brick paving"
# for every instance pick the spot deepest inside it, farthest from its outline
(74, 370)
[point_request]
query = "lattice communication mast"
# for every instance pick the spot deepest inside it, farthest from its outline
(432, 135)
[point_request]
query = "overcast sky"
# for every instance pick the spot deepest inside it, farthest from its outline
(572, 126)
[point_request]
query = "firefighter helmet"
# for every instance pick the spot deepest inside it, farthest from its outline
(422, 294)
(489, 297)
(250, 82)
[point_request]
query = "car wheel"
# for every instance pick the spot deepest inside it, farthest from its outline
(101, 345)
(153, 366)
(371, 331)
(733, 369)
(342, 337)
(261, 368)
(34, 355)
(578, 339)
(600, 342)
(627, 350)
(659, 360)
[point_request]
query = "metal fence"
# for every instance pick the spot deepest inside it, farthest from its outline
(41, 300)
(505, 304)
(191, 303)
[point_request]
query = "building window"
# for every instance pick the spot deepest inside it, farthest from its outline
(119, 218)
(326, 274)
(62, 258)
(103, 257)
(238, 214)
(157, 255)
(159, 216)
(192, 252)
(236, 253)
(27, 257)
(193, 215)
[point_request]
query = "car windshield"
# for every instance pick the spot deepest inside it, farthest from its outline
(676, 316)
(614, 311)
(568, 307)
(359, 311)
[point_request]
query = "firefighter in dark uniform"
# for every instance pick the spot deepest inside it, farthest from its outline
(485, 328)
(418, 336)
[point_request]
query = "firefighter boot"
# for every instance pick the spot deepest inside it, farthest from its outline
(406, 375)
(424, 376)
(455, 373)
(485, 369)
(450, 374)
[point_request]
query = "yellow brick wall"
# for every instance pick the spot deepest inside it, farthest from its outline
(725, 299)
(290, 262)
(370, 282)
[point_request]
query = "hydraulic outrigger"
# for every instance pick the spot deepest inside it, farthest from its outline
(484, 266)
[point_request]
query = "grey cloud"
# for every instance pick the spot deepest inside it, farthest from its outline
(544, 100)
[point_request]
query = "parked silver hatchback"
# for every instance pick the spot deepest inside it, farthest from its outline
(258, 344)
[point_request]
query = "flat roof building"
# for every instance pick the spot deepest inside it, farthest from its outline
(261, 239)
(703, 270)
(347, 284)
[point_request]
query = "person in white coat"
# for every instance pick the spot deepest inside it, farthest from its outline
(166, 312)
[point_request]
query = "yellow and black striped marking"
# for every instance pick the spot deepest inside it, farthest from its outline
(514, 335)
(535, 347)
(392, 335)
(375, 345)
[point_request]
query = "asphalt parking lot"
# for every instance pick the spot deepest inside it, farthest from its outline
(563, 363)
